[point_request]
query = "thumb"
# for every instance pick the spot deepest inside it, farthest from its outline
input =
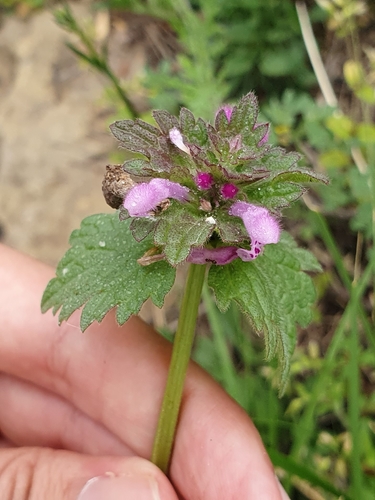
(43, 474)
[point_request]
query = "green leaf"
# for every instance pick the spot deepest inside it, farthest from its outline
(301, 175)
(136, 135)
(307, 260)
(194, 131)
(274, 195)
(278, 160)
(230, 229)
(137, 166)
(141, 227)
(296, 468)
(165, 120)
(244, 117)
(180, 229)
(187, 121)
(101, 271)
(274, 291)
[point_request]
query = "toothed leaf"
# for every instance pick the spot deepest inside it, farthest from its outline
(275, 293)
(179, 229)
(100, 272)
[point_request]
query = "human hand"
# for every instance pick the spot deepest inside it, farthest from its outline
(76, 406)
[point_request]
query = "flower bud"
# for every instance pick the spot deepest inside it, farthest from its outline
(176, 138)
(204, 180)
(229, 191)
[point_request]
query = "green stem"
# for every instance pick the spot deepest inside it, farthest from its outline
(354, 407)
(182, 346)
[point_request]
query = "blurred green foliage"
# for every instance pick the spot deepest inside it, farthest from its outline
(28, 5)
(229, 47)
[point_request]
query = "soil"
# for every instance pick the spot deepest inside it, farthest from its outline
(54, 139)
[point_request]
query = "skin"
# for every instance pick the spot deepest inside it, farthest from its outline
(76, 405)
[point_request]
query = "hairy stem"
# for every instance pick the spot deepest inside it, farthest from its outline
(182, 346)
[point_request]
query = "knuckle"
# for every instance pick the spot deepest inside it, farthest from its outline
(24, 474)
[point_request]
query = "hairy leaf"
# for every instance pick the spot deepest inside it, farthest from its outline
(274, 195)
(141, 227)
(244, 117)
(137, 167)
(135, 135)
(100, 271)
(278, 160)
(194, 131)
(230, 229)
(165, 120)
(274, 291)
(187, 121)
(301, 175)
(179, 229)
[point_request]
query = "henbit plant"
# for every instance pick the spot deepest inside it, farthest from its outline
(209, 195)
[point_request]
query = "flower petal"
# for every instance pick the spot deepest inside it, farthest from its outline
(259, 223)
(265, 137)
(227, 110)
(144, 197)
(219, 256)
(247, 255)
(176, 138)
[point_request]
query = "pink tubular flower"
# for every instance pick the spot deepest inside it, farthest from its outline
(144, 197)
(247, 255)
(218, 256)
(259, 223)
(176, 138)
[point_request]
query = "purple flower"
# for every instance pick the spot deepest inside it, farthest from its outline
(264, 139)
(204, 180)
(144, 197)
(219, 256)
(247, 255)
(229, 190)
(235, 143)
(259, 223)
(176, 138)
(227, 110)
(224, 255)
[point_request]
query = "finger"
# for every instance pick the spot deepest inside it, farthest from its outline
(33, 473)
(117, 376)
(91, 370)
(51, 421)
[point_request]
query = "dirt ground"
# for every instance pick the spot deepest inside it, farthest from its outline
(54, 139)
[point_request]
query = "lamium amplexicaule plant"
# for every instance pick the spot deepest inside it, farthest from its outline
(206, 195)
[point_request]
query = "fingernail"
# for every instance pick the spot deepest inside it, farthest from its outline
(125, 487)
(283, 493)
